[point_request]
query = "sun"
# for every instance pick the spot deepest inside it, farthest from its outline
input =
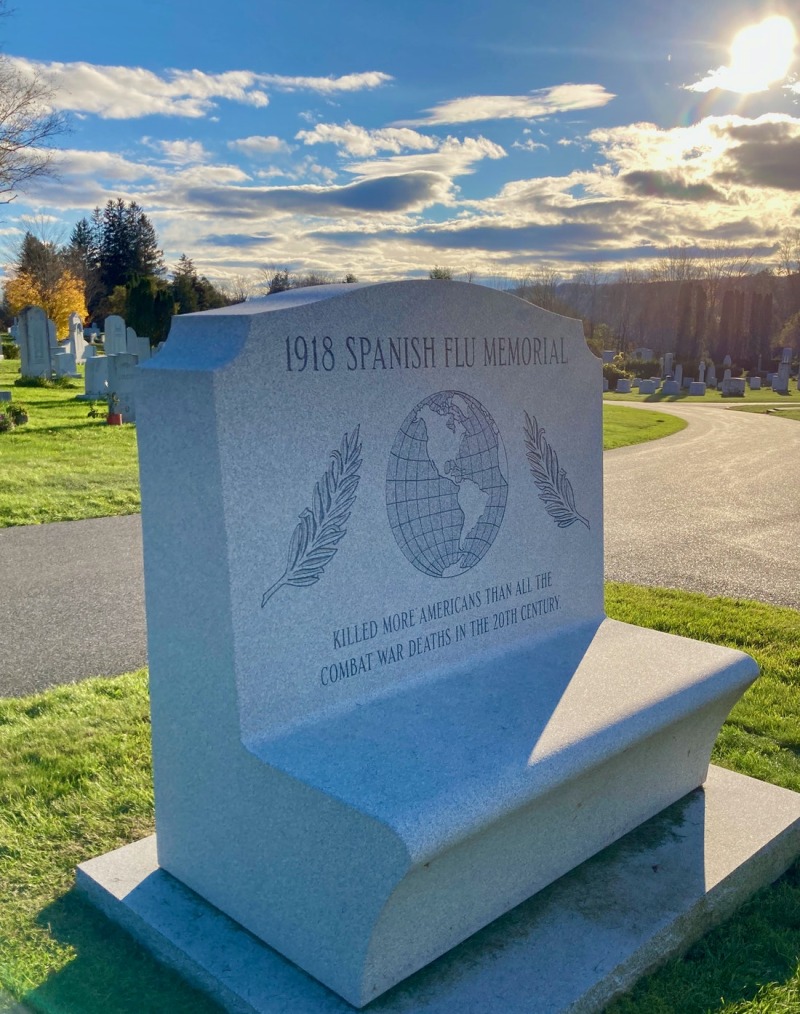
(761, 55)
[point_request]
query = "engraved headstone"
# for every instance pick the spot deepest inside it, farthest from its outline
(623, 385)
(780, 380)
(386, 704)
(114, 341)
(121, 382)
(96, 377)
(64, 364)
(697, 389)
(667, 371)
(755, 383)
(34, 343)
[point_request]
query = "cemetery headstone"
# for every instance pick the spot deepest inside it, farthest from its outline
(34, 344)
(701, 371)
(677, 375)
(727, 362)
(96, 377)
(623, 385)
(697, 388)
(671, 387)
(667, 365)
(643, 354)
(755, 383)
(372, 525)
(780, 380)
(122, 384)
(647, 387)
(711, 376)
(64, 364)
(77, 344)
(115, 341)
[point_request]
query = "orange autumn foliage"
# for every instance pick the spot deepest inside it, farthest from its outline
(65, 296)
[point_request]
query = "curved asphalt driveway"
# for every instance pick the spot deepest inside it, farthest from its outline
(715, 508)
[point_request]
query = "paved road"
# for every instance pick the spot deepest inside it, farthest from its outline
(715, 508)
(71, 602)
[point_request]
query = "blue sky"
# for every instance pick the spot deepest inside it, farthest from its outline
(384, 138)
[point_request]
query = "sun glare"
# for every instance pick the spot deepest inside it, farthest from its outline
(761, 55)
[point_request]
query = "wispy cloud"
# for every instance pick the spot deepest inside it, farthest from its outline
(543, 102)
(120, 93)
(178, 152)
(261, 146)
(361, 142)
(453, 158)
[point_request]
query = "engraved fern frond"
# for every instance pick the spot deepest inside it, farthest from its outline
(322, 525)
(555, 489)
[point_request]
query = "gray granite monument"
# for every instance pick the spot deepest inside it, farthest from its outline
(115, 336)
(387, 705)
(34, 343)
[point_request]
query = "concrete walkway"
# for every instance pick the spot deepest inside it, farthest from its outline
(715, 509)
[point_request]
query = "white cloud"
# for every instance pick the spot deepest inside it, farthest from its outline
(260, 146)
(454, 158)
(529, 145)
(544, 102)
(327, 85)
(121, 93)
(179, 152)
(359, 141)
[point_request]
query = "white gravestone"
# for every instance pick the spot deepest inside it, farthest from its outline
(34, 346)
(138, 345)
(755, 383)
(387, 706)
(64, 364)
(96, 377)
(697, 388)
(114, 341)
(122, 380)
(647, 387)
(701, 371)
(668, 365)
(623, 385)
(77, 344)
(678, 375)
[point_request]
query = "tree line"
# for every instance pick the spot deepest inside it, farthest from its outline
(112, 264)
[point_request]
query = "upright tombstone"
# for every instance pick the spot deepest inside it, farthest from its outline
(121, 381)
(137, 345)
(711, 376)
(387, 706)
(77, 343)
(667, 371)
(115, 340)
(64, 364)
(96, 378)
(34, 343)
(701, 372)
(678, 375)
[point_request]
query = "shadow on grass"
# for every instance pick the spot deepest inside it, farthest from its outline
(110, 973)
(754, 952)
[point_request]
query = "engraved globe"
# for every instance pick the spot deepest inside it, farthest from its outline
(446, 488)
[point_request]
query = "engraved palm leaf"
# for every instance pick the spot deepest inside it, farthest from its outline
(321, 526)
(555, 489)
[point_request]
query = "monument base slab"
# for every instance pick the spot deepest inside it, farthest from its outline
(571, 948)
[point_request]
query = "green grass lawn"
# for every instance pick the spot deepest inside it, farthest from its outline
(710, 397)
(774, 410)
(622, 427)
(62, 465)
(75, 782)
